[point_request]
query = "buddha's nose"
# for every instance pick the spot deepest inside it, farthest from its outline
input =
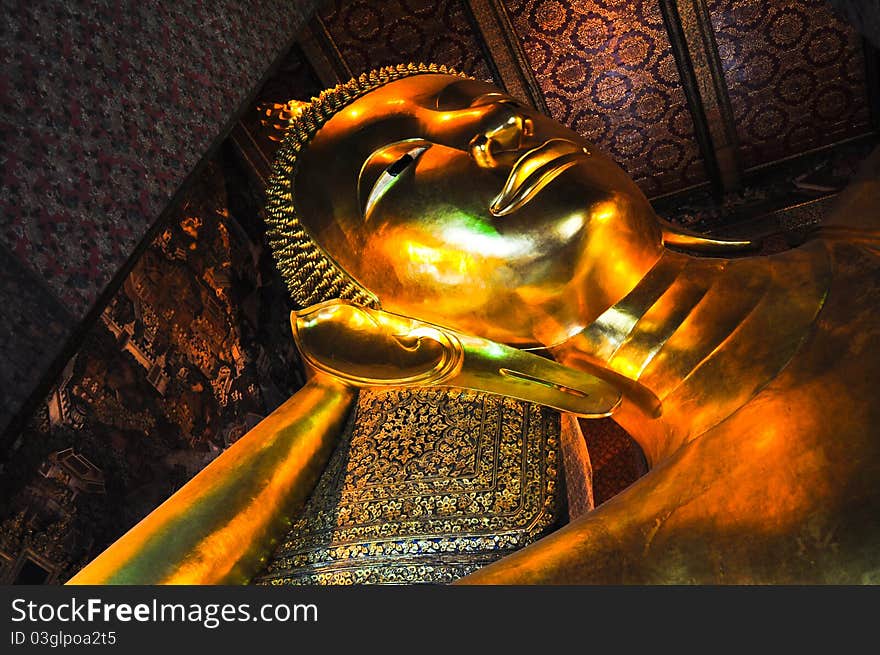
(500, 143)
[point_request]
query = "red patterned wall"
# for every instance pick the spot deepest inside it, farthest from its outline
(371, 34)
(607, 71)
(795, 74)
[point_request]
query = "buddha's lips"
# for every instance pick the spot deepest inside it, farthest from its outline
(533, 171)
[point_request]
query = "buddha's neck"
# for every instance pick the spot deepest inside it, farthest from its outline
(703, 336)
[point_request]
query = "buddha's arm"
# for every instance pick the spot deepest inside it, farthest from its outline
(780, 493)
(220, 526)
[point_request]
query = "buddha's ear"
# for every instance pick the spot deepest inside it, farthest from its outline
(679, 237)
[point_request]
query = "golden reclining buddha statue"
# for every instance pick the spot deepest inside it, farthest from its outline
(475, 275)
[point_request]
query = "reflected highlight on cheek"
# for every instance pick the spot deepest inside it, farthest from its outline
(450, 268)
(486, 242)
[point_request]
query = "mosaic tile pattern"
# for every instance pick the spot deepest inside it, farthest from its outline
(607, 71)
(105, 107)
(375, 33)
(795, 74)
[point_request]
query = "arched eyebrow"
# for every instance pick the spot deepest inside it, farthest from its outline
(486, 102)
(463, 94)
(489, 98)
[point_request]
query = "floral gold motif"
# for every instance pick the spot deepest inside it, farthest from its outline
(427, 485)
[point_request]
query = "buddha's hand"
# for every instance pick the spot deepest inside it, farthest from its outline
(369, 348)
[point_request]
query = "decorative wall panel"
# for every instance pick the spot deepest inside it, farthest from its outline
(105, 107)
(795, 74)
(191, 352)
(608, 72)
(427, 485)
(375, 33)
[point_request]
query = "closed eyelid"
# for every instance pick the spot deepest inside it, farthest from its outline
(394, 160)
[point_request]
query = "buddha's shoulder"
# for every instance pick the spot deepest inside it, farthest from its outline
(825, 397)
(839, 352)
(837, 275)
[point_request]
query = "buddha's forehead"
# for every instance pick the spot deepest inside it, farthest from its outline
(413, 107)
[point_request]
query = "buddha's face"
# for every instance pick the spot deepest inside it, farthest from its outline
(456, 204)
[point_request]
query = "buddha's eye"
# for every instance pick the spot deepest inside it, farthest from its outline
(400, 165)
(392, 173)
